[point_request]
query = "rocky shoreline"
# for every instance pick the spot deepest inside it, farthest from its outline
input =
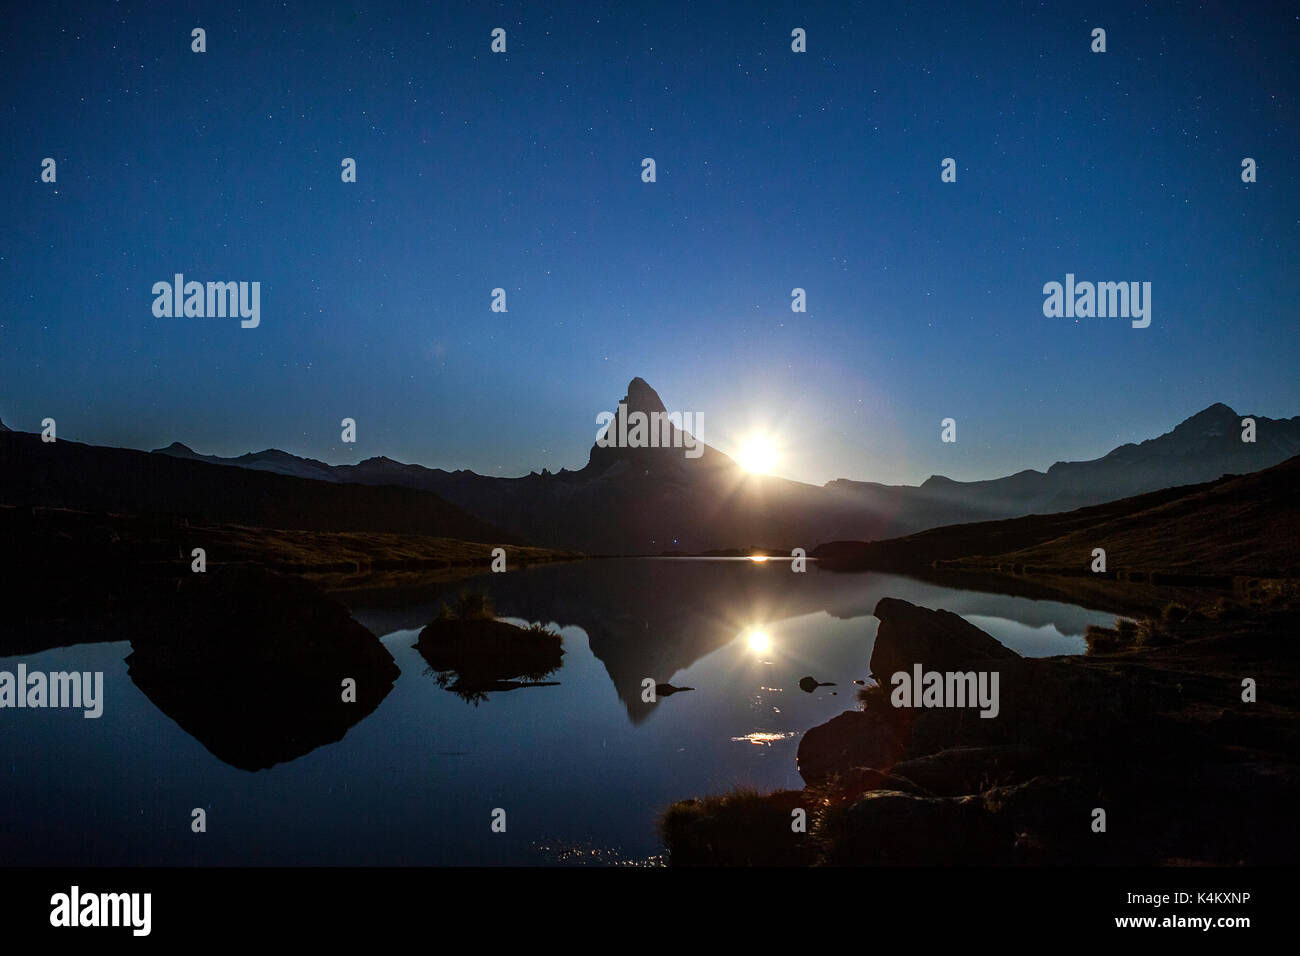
(1156, 736)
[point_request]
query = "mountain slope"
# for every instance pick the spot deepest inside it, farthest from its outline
(1241, 525)
(66, 474)
(1235, 525)
(1199, 449)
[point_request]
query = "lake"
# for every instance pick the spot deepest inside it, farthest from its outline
(581, 768)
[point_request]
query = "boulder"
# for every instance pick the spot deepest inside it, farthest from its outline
(939, 640)
(471, 657)
(809, 684)
(886, 827)
(855, 738)
(252, 664)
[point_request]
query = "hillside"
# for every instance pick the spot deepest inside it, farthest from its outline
(1247, 525)
(1236, 525)
(90, 478)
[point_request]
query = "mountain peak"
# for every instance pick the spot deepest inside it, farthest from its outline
(1216, 419)
(641, 397)
(1213, 412)
(276, 454)
(175, 448)
(664, 452)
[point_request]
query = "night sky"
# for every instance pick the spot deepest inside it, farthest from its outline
(775, 170)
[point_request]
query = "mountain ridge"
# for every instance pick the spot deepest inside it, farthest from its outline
(649, 500)
(95, 478)
(259, 459)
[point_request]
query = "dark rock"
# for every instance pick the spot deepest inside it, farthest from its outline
(938, 640)
(891, 827)
(965, 770)
(1048, 819)
(252, 665)
(860, 780)
(810, 684)
(853, 739)
(471, 657)
(738, 829)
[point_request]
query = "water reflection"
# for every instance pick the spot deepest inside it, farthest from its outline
(761, 738)
(583, 764)
(257, 677)
(473, 657)
(653, 618)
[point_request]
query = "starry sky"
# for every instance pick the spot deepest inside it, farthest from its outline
(522, 171)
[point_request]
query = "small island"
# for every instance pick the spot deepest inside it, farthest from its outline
(471, 653)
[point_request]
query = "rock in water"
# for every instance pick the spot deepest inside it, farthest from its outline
(473, 656)
(810, 684)
(939, 640)
(252, 664)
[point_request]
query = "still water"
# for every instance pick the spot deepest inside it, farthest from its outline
(581, 768)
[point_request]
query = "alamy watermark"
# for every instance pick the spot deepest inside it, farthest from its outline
(74, 908)
(623, 429)
(923, 688)
(1084, 300)
(56, 689)
(216, 300)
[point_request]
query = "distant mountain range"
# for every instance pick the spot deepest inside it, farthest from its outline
(91, 478)
(651, 500)
(1235, 525)
(1204, 447)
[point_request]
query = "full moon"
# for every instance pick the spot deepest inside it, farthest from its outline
(758, 455)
